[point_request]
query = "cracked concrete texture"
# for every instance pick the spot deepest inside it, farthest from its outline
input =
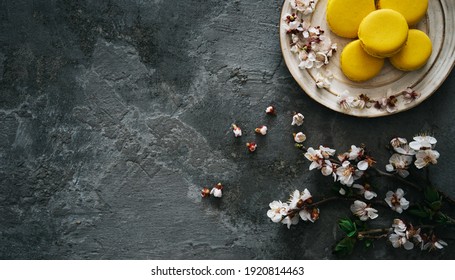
(115, 113)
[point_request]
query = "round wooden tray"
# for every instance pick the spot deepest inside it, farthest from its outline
(439, 24)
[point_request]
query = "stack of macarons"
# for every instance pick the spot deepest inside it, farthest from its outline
(382, 30)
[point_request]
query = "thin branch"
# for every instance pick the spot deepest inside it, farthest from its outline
(396, 177)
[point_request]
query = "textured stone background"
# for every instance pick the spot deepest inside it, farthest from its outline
(115, 113)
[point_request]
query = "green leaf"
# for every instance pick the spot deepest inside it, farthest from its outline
(419, 213)
(436, 205)
(348, 227)
(431, 195)
(345, 246)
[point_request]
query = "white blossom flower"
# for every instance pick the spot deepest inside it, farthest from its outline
(399, 227)
(326, 152)
(434, 243)
(261, 130)
(423, 142)
(347, 173)
(236, 130)
(290, 220)
(400, 164)
(327, 169)
(410, 95)
(324, 80)
(216, 192)
(398, 142)
(297, 119)
(396, 200)
(299, 198)
(426, 157)
(270, 110)
(306, 215)
(342, 191)
(363, 165)
(315, 157)
(277, 210)
(304, 6)
(347, 101)
(299, 137)
(400, 241)
(355, 152)
(414, 234)
(365, 191)
(251, 146)
(361, 210)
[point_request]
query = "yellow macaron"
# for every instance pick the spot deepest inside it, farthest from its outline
(383, 32)
(412, 10)
(415, 53)
(344, 16)
(357, 65)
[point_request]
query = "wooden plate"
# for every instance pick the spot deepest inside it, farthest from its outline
(439, 24)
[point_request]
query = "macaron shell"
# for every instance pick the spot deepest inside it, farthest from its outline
(416, 52)
(383, 32)
(344, 16)
(357, 65)
(412, 10)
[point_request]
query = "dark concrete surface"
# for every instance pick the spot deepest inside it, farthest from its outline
(115, 113)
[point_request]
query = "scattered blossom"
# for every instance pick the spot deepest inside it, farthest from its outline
(252, 146)
(324, 80)
(293, 23)
(217, 191)
(365, 190)
(261, 130)
(297, 119)
(347, 102)
(363, 211)
(423, 142)
(388, 104)
(309, 43)
(426, 157)
(304, 6)
(205, 192)
(396, 200)
(299, 137)
(236, 130)
(270, 110)
(399, 163)
(410, 95)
